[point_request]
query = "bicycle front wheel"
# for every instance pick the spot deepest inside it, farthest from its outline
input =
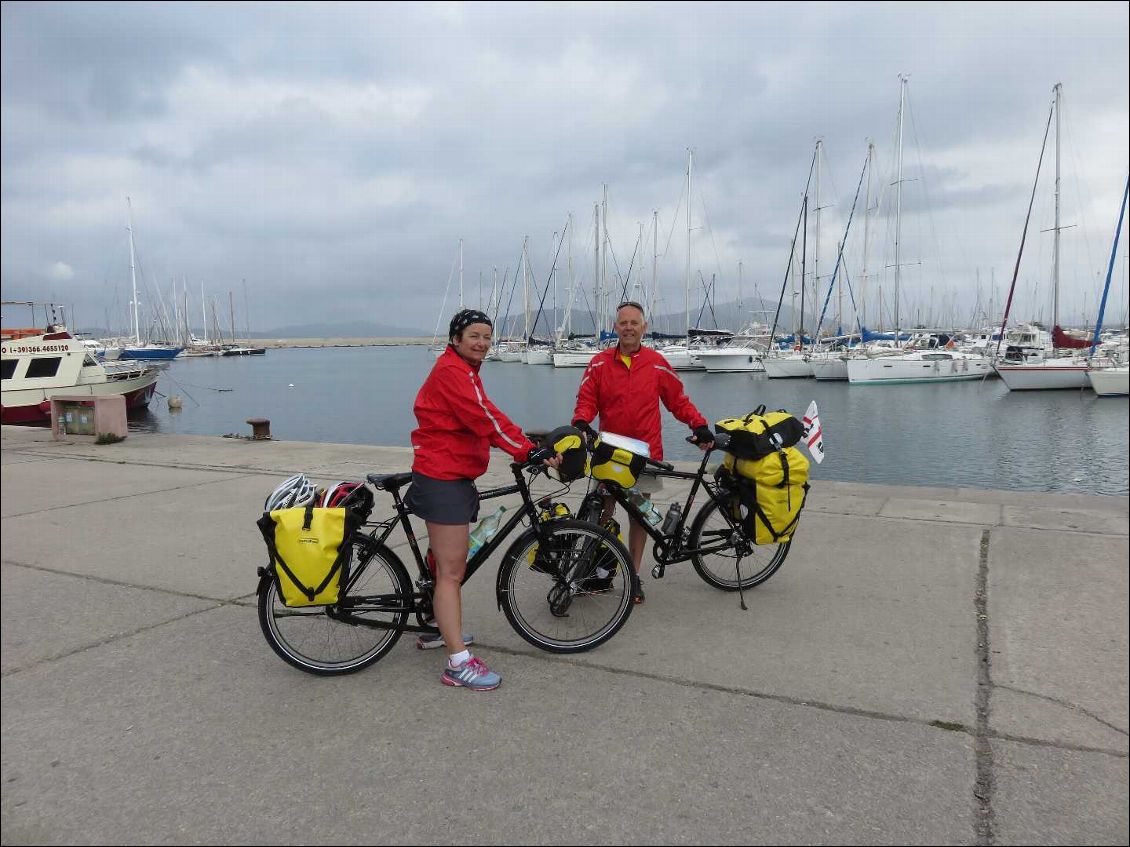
(351, 635)
(732, 561)
(572, 596)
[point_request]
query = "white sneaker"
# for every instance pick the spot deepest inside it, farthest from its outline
(431, 640)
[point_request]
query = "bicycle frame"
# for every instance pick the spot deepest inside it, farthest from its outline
(421, 599)
(669, 549)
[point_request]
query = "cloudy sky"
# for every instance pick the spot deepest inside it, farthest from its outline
(322, 161)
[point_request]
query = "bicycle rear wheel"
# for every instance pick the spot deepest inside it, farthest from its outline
(554, 598)
(734, 561)
(349, 636)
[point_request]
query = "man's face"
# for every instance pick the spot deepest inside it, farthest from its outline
(630, 326)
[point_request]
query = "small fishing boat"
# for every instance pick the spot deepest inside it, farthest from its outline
(37, 368)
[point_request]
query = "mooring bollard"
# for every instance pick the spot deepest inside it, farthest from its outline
(260, 429)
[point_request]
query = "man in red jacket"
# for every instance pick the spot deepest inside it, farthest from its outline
(623, 385)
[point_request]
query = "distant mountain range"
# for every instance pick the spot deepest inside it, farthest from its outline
(724, 316)
(346, 329)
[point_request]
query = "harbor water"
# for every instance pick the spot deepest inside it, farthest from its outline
(966, 434)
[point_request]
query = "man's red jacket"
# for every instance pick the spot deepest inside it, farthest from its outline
(627, 399)
(458, 423)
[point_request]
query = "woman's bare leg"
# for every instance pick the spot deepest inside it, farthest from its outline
(449, 545)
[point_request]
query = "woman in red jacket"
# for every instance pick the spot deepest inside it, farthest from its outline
(457, 427)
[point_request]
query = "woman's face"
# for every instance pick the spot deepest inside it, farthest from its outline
(474, 344)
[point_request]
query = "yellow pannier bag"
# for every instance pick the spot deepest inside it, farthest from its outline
(309, 552)
(617, 458)
(760, 433)
(769, 493)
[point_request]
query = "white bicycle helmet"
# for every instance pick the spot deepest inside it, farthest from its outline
(295, 491)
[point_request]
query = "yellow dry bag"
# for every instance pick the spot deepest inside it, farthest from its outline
(309, 552)
(768, 476)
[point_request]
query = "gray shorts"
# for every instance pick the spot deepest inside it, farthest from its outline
(446, 501)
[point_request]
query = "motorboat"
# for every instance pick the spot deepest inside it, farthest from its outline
(37, 368)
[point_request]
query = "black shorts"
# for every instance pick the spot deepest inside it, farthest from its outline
(446, 501)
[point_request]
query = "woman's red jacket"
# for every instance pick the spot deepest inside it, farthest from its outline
(458, 423)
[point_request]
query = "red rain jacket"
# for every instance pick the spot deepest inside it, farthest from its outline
(627, 399)
(458, 424)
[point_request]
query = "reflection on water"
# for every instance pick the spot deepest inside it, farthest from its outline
(969, 434)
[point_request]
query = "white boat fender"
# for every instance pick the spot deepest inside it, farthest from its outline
(174, 401)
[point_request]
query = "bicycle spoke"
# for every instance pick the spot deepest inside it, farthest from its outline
(343, 638)
(572, 607)
(725, 558)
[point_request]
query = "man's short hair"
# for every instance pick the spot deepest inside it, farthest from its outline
(634, 305)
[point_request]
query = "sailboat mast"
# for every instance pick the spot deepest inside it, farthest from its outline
(204, 312)
(526, 288)
(602, 307)
(638, 287)
(816, 242)
(597, 322)
(231, 314)
(567, 322)
(1055, 240)
(739, 295)
(654, 260)
(898, 205)
(133, 274)
(687, 277)
(866, 234)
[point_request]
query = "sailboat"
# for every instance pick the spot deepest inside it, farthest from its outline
(149, 350)
(927, 365)
(830, 363)
(578, 353)
(793, 363)
(682, 357)
(1110, 381)
(1046, 368)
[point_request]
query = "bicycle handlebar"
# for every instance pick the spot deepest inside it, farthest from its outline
(664, 466)
(721, 440)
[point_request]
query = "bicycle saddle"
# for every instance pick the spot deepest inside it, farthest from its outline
(389, 481)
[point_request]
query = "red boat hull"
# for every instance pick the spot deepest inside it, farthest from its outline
(40, 413)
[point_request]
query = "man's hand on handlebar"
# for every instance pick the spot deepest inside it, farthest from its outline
(544, 456)
(703, 437)
(586, 430)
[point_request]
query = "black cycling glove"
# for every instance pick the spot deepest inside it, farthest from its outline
(703, 435)
(538, 455)
(588, 431)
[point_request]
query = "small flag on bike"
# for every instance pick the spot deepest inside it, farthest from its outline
(814, 433)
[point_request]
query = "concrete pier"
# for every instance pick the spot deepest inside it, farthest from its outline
(930, 666)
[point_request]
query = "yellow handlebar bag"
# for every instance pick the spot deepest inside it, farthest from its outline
(309, 552)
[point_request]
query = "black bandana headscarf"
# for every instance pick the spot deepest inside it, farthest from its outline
(464, 319)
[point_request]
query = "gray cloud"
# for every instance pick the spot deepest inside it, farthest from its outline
(332, 155)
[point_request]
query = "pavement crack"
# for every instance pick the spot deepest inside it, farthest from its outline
(985, 783)
(147, 493)
(117, 636)
(1074, 707)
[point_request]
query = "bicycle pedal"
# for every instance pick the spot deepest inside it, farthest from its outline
(657, 572)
